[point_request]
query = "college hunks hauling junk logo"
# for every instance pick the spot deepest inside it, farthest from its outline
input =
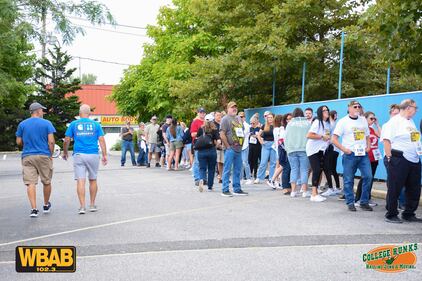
(391, 258)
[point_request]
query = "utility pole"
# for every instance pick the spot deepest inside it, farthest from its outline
(43, 34)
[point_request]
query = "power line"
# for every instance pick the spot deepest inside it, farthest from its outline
(108, 30)
(122, 25)
(103, 61)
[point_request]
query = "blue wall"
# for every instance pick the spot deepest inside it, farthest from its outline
(377, 104)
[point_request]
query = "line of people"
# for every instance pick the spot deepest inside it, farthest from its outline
(287, 150)
(291, 147)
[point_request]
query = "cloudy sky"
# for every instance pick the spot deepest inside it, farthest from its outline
(123, 45)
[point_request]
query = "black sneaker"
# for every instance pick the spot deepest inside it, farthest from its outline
(366, 207)
(210, 189)
(394, 219)
(47, 208)
(157, 165)
(34, 213)
(351, 207)
(227, 194)
(342, 197)
(148, 165)
(411, 219)
(240, 193)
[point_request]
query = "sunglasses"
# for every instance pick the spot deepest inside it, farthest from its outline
(373, 118)
(357, 107)
(415, 107)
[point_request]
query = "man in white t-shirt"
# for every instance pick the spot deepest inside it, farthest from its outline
(354, 131)
(402, 145)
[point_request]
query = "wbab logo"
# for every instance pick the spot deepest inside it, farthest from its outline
(45, 259)
(391, 258)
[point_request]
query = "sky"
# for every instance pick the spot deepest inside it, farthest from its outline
(111, 46)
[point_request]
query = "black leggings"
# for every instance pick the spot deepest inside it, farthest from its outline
(332, 156)
(320, 163)
(253, 157)
(374, 166)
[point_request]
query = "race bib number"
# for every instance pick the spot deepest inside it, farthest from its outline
(415, 136)
(359, 150)
(253, 141)
(377, 154)
(327, 132)
(239, 133)
(359, 135)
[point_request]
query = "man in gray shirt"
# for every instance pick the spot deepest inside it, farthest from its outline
(127, 136)
(232, 136)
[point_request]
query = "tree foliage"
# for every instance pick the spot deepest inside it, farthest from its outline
(55, 84)
(33, 12)
(15, 70)
(88, 78)
(206, 53)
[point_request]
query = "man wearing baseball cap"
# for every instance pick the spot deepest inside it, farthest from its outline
(232, 135)
(36, 135)
(152, 140)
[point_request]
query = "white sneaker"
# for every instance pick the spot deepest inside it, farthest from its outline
(257, 181)
(270, 183)
(329, 192)
(357, 204)
(201, 186)
(293, 194)
(337, 190)
(318, 198)
(372, 203)
(306, 194)
(248, 182)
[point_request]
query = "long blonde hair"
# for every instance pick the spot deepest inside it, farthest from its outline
(267, 125)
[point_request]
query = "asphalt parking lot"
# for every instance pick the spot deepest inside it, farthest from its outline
(154, 225)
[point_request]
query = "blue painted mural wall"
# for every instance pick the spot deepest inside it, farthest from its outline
(377, 104)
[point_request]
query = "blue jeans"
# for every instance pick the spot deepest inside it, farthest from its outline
(195, 167)
(350, 165)
(207, 161)
(299, 164)
(245, 164)
(285, 175)
(267, 153)
(232, 158)
(142, 156)
(127, 145)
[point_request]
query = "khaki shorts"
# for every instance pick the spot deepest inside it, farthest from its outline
(34, 166)
(220, 156)
(176, 145)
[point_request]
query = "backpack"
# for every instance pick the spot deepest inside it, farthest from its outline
(187, 138)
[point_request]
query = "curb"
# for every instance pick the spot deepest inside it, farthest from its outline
(382, 194)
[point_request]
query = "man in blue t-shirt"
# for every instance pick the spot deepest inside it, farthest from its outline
(36, 135)
(86, 134)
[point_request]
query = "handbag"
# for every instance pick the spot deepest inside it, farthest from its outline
(203, 142)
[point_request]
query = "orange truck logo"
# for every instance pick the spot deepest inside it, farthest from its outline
(45, 259)
(391, 258)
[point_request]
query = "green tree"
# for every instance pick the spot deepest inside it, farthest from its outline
(88, 78)
(55, 92)
(36, 12)
(209, 52)
(15, 70)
